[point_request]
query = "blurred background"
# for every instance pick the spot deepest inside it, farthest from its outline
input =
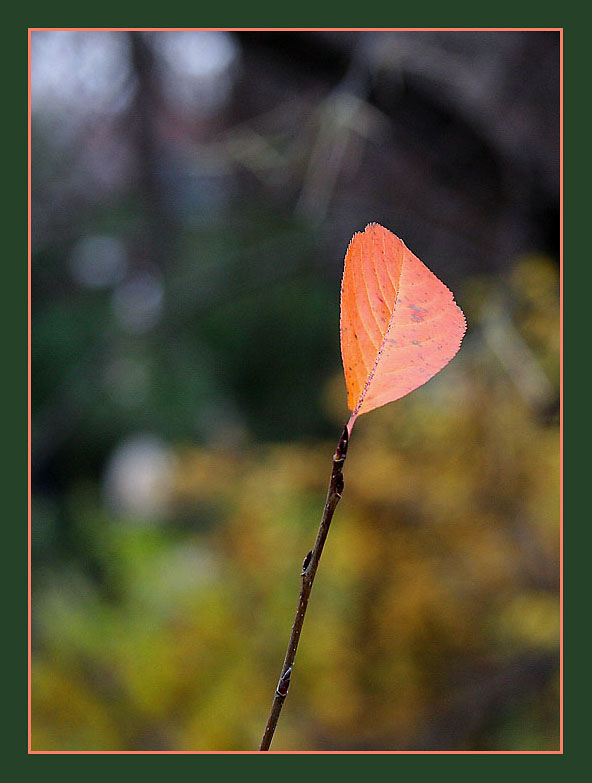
(193, 195)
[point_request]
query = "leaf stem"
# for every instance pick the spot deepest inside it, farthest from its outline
(309, 570)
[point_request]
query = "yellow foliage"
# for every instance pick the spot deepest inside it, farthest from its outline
(442, 559)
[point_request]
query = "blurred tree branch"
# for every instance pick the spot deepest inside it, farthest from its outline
(146, 109)
(457, 722)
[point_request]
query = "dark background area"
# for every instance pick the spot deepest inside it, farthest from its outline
(193, 195)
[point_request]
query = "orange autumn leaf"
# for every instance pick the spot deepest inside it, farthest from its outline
(399, 324)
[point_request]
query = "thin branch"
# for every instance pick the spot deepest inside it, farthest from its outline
(309, 570)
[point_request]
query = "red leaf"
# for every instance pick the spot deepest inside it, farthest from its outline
(399, 324)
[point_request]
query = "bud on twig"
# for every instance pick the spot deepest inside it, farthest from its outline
(306, 562)
(341, 450)
(284, 683)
